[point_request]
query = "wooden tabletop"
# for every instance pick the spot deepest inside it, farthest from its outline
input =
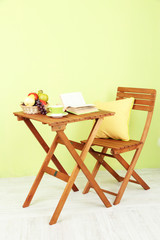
(64, 120)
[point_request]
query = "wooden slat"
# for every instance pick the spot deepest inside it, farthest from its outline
(56, 174)
(135, 95)
(141, 102)
(138, 90)
(144, 102)
(133, 181)
(143, 108)
(109, 192)
(76, 145)
(104, 154)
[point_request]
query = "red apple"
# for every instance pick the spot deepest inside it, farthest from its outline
(43, 102)
(35, 95)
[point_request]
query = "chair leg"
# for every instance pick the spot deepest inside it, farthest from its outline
(100, 162)
(134, 174)
(100, 158)
(127, 177)
(95, 170)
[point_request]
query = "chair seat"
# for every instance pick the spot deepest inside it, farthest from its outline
(116, 146)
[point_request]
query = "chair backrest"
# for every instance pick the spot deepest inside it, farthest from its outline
(144, 100)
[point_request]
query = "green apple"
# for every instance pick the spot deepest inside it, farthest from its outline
(43, 97)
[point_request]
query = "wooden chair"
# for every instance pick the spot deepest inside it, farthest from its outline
(144, 101)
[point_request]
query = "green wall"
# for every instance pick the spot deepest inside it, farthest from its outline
(74, 45)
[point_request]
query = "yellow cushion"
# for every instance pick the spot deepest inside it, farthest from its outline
(117, 126)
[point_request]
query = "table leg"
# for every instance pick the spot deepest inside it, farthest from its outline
(46, 148)
(79, 165)
(41, 173)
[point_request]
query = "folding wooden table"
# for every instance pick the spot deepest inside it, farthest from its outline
(58, 125)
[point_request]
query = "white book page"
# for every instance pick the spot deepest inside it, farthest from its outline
(74, 99)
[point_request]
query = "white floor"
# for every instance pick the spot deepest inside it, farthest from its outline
(83, 217)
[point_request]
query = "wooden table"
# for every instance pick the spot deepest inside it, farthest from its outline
(58, 125)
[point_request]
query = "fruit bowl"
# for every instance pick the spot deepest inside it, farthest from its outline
(35, 103)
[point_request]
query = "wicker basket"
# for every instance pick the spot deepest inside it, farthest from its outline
(30, 109)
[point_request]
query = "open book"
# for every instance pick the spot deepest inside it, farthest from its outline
(75, 103)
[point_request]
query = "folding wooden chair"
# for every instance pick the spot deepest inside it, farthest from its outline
(144, 101)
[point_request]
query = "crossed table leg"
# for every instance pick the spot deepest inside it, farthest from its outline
(70, 180)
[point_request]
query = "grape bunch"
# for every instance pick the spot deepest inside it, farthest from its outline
(41, 107)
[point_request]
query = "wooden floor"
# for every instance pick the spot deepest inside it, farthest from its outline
(84, 217)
